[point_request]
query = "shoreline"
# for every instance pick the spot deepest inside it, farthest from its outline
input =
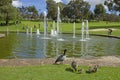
(111, 61)
(2, 35)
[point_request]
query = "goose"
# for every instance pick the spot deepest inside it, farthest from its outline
(61, 58)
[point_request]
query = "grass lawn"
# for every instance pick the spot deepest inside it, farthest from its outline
(64, 27)
(56, 72)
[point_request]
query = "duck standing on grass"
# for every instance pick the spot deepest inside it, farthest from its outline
(74, 65)
(61, 58)
(92, 70)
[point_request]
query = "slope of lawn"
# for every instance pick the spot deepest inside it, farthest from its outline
(57, 72)
(64, 27)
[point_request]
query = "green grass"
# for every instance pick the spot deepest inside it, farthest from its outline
(65, 27)
(56, 72)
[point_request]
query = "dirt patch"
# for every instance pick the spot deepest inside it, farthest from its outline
(101, 61)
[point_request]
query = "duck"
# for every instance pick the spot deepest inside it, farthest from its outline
(74, 65)
(61, 58)
(95, 68)
(92, 70)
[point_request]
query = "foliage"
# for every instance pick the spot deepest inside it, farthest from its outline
(113, 5)
(52, 9)
(78, 9)
(99, 11)
(8, 12)
(29, 12)
(111, 17)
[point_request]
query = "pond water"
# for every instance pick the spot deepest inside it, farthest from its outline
(26, 46)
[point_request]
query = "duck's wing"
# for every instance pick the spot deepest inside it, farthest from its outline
(59, 58)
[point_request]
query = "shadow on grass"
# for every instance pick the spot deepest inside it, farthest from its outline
(69, 70)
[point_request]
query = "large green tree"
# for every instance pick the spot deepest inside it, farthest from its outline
(113, 5)
(8, 12)
(77, 9)
(32, 11)
(99, 11)
(52, 8)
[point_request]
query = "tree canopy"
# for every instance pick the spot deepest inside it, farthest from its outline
(113, 5)
(8, 12)
(99, 11)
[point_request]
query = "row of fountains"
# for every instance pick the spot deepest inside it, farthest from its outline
(57, 33)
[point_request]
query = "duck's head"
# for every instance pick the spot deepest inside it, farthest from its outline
(65, 51)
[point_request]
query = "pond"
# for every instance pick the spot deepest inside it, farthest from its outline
(33, 46)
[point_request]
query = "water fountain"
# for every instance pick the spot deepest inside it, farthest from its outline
(31, 31)
(74, 30)
(87, 30)
(38, 32)
(53, 31)
(58, 19)
(45, 26)
(59, 32)
(82, 32)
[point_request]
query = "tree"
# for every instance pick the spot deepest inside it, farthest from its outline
(52, 9)
(99, 11)
(8, 12)
(23, 10)
(113, 5)
(32, 11)
(78, 9)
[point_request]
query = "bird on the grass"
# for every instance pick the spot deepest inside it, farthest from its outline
(95, 68)
(80, 71)
(92, 70)
(74, 65)
(61, 58)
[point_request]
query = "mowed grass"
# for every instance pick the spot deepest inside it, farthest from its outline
(64, 27)
(57, 72)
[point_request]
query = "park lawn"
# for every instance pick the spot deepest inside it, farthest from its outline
(57, 72)
(114, 33)
(64, 27)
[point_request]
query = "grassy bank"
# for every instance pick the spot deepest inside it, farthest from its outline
(64, 27)
(56, 72)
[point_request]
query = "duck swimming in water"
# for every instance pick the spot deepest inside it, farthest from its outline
(61, 58)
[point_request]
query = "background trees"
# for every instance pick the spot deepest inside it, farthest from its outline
(52, 9)
(29, 13)
(78, 9)
(99, 11)
(8, 12)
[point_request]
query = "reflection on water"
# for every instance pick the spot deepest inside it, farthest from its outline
(26, 46)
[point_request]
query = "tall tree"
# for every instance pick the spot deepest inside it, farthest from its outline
(52, 9)
(24, 12)
(113, 5)
(77, 9)
(99, 11)
(7, 11)
(32, 11)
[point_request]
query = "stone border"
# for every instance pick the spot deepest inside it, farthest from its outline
(113, 61)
